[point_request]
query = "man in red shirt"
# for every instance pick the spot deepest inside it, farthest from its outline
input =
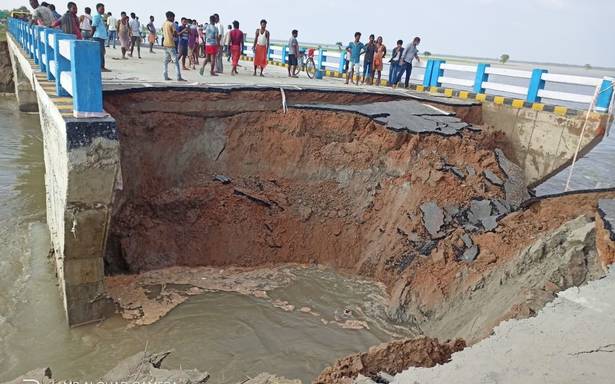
(236, 46)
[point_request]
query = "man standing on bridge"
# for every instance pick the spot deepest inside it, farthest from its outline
(236, 46)
(151, 38)
(356, 48)
(70, 21)
(368, 60)
(112, 28)
(261, 47)
(293, 53)
(212, 43)
(220, 53)
(99, 33)
(170, 54)
(86, 24)
(41, 15)
(135, 29)
(411, 52)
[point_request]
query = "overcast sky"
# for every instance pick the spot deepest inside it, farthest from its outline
(563, 31)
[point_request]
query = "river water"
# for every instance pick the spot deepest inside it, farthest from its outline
(228, 335)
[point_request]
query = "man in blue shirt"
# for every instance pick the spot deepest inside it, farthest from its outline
(99, 33)
(356, 48)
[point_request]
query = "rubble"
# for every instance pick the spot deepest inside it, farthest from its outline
(433, 219)
(267, 378)
(493, 178)
(222, 179)
(605, 232)
(515, 186)
(606, 209)
(470, 253)
(390, 358)
(145, 367)
(141, 368)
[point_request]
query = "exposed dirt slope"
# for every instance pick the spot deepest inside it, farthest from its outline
(307, 187)
(392, 358)
(532, 254)
(6, 70)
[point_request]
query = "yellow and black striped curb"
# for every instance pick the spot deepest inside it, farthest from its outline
(499, 100)
(465, 95)
(64, 104)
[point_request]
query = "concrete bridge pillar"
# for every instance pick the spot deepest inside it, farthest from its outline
(24, 90)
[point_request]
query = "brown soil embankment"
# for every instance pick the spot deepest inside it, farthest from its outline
(390, 358)
(6, 70)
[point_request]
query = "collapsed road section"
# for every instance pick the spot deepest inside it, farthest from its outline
(392, 190)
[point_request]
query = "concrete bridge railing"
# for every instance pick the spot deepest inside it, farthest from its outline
(74, 65)
(533, 86)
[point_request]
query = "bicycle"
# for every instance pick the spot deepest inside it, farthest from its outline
(306, 64)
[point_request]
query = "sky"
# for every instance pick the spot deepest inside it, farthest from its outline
(560, 31)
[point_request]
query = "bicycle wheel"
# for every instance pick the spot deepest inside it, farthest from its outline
(297, 69)
(310, 68)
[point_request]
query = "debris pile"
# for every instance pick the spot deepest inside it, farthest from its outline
(389, 359)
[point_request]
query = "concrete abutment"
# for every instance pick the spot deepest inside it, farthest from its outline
(81, 168)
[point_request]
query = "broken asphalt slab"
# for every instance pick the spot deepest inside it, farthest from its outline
(606, 209)
(493, 178)
(515, 186)
(433, 219)
(400, 115)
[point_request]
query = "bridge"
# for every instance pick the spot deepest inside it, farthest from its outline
(544, 124)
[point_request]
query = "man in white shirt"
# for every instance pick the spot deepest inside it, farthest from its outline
(227, 43)
(112, 28)
(86, 24)
(135, 28)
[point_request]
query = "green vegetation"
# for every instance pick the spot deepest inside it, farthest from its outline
(504, 58)
(2, 32)
(426, 53)
(588, 66)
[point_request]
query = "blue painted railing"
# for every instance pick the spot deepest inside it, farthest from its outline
(530, 85)
(74, 65)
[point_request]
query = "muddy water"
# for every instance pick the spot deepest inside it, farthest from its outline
(229, 335)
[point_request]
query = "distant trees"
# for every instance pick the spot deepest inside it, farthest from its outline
(4, 13)
(426, 53)
(588, 66)
(504, 58)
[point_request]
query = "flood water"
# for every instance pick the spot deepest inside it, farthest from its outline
(228, 335)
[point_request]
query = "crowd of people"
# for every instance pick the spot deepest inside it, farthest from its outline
(185, 42)
(375, 51)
